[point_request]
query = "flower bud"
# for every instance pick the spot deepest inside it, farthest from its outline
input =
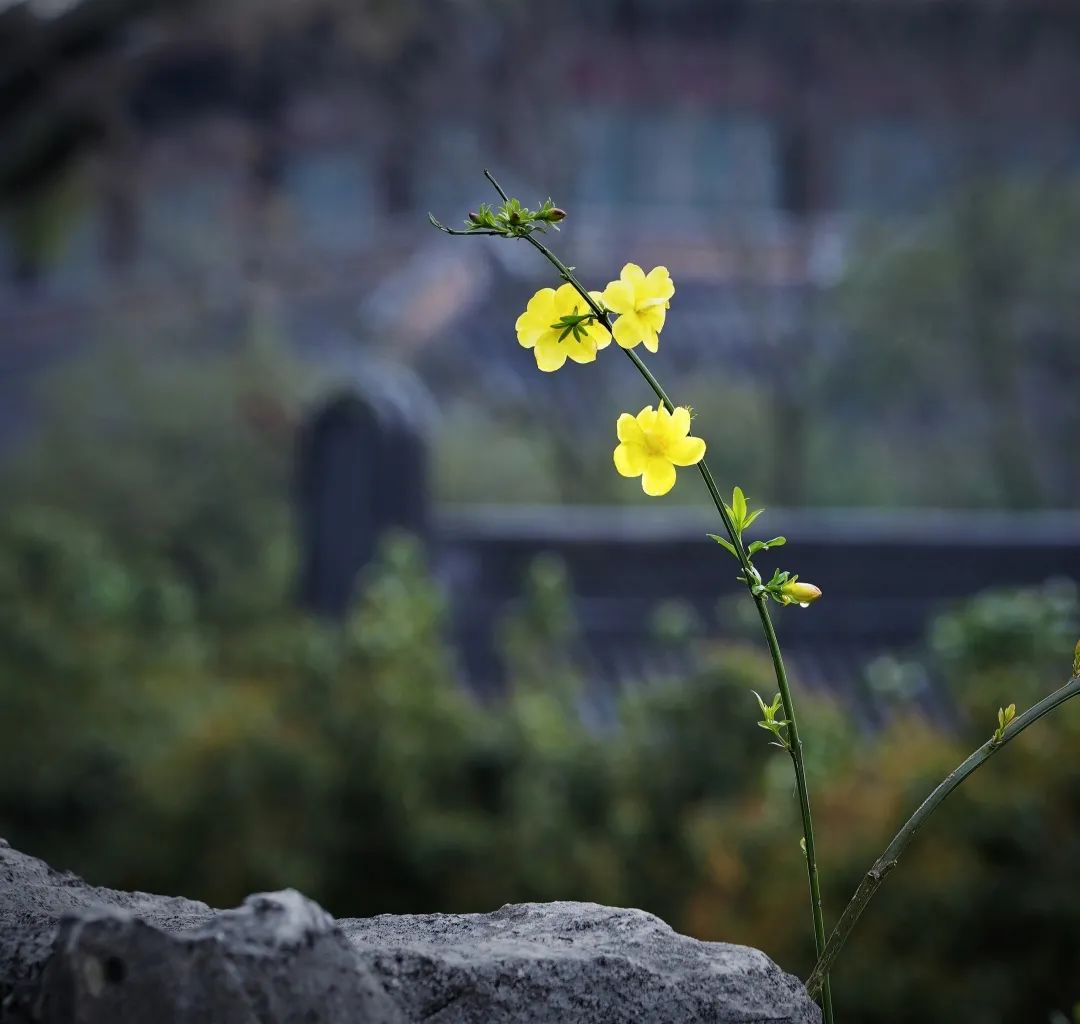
(555, 214)
(475, 218)
(797, 592)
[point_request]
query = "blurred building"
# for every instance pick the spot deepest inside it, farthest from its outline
(157, 152)
(213, 164)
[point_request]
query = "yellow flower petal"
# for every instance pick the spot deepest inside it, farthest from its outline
(537, 318)
(541, 299)
(665, 432)
(652, 342)
(630, 459)
(659, 284)
(529, 330)
(647, 418)
(634, 276)
(580, 351)
(550, 355)
(680, 422)
(687, 451)
(653, 318)
(659, 476)
(629, 430)
(618, 296)
(566, 298)
(598, 335)
(628, 330)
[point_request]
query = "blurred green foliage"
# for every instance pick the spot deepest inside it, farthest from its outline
(974, 310)
(184, 459)
(145, 746)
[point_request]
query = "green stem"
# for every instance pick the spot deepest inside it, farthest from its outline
(761, 601)
(796, 751)
(880, 869)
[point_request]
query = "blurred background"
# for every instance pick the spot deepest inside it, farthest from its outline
(309, 578)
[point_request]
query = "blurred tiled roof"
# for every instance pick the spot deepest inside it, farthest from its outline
(624, 563)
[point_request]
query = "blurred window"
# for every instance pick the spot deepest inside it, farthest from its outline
(605, 156)
(446, 169)
(676, 159)
(739, 162)
(190, 223)
(890, 166)
(329, 194)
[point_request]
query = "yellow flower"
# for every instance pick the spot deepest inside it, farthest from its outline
(797, 592)
(653, 443)
(543, 329)
(641, 300)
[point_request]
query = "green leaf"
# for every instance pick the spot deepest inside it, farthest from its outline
(751, 517)
(764, 545)
(725, 543)
(738, 506)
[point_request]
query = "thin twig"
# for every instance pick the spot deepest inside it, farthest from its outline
(498, 187)
(458, 231)
(881, 868)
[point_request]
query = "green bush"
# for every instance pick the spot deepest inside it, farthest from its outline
(169, 721)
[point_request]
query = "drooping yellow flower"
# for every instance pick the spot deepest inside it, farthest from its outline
(545, 329)
(641, 301)
(653, 443)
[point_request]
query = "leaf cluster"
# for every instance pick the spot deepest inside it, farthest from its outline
(770, 723)
(1004, 717)
(742, 517)
(774, 588)
(512, 219)
(573, 323)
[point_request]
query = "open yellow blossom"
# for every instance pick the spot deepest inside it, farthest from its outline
(641, 301)
(653, 443)
(548, 327)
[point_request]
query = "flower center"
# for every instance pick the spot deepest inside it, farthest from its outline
(653, 444)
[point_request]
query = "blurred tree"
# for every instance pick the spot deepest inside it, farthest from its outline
(975, 311)
(180, 461)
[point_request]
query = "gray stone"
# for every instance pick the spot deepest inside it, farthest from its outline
(553, 963)
(70, 952)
